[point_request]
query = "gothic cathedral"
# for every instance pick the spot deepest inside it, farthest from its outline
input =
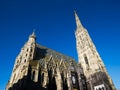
(40, 68)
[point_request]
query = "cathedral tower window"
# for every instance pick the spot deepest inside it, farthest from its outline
(27, 49)
(30, 55)
(24, 60)
(20, 57)
(86, 60)
(33, 75)
(42, 77)
(17, 61)
(31, 49)
(73, 79)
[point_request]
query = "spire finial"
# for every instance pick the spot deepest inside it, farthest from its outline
(33, 34)
(34, 30)
(75, 13)
(78, 23)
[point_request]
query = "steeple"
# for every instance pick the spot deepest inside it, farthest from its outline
(91, 62)
(78, 23)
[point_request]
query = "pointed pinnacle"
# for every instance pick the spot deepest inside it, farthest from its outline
(78, 23)
(33, 34)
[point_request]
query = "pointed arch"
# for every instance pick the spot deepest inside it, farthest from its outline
(33, 76)
(42, 78)
(86, 59)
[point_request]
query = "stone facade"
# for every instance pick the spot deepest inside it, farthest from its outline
(40, 68)
(92, 64)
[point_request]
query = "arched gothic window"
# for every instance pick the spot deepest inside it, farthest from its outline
(24, 60)
(73, 79)
(42, 77)
(31, 49)
(86, 60)
(33, 75)
(27, 49)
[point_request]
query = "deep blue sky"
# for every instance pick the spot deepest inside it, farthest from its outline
(55, 25)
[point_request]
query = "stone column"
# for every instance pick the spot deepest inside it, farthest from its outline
(46, 79)
(69, 80)
(58, 79)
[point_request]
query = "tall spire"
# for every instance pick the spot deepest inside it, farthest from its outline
(78, 23)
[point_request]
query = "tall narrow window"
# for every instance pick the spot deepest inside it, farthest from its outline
(86, 60)
(73, 79)
(31, 49)
(42, 77)
(27, 49)
(14, 77)
(30, 55)
(24, 60)
(17, 61)
(33, 75)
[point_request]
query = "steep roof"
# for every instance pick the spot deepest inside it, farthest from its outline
(44, 54)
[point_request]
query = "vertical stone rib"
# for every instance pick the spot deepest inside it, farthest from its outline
(58, 79)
